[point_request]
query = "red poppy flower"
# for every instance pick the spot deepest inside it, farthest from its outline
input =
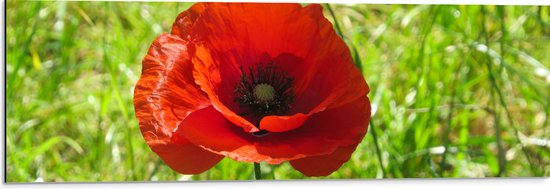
(255, 83)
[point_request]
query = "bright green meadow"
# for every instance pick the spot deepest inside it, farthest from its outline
(457, 91)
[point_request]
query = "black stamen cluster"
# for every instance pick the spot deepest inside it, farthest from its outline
(264, 73)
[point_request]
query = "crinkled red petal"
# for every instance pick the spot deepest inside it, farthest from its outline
(185, 20)
(164, 95)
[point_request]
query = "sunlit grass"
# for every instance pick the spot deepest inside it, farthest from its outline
(470, 79)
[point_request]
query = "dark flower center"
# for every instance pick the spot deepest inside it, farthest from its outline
(264, 91)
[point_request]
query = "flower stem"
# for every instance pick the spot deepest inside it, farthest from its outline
(257, 171)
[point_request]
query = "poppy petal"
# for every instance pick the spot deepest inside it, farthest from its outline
(206, 128)
(186, 19)
(323, 165)
(256, 28)
(282, 123)
(209, 129)
(322, 134)
(164, 95)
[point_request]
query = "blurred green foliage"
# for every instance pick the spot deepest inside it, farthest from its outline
(470, 79)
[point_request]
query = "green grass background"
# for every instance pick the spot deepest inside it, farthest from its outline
(470, 79)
